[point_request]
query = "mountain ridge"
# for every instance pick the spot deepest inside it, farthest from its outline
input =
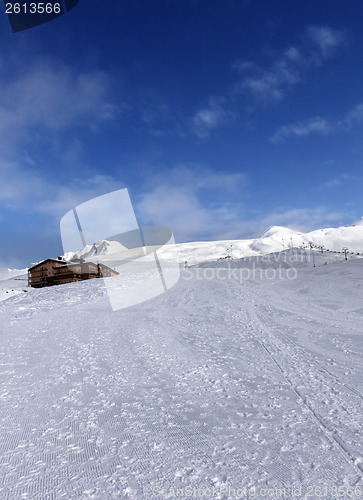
(274, 239)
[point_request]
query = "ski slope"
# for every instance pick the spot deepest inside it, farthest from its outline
(13, 286)
(222, 384)
(274, 239)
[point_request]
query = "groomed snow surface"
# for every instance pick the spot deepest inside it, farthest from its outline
(223, 387)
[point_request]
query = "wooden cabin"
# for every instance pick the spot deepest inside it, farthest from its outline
(51, 272)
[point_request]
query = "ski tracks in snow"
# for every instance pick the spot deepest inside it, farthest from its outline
(214, 384)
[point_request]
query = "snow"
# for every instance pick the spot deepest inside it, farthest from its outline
(14, 285)
(11, 273)
(101, 248)
(275, 239)
(220, 384)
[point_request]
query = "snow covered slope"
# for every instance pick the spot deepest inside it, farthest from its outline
(6, 274)
(275, 239)
(218, 385)
(13, 286)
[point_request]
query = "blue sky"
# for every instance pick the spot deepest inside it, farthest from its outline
(221, 117)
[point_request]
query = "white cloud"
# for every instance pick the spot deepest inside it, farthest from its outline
(27, 188)
(181, 209)
(210, 117)
(352, 118)
(173, 199)
(293, 54)
(313, 126)
(319, 125)
(19, 184)
(62, 198)
(176, 199)
(197, 177)
(195, 202)
(51, 98)
(336, 181)
(39, 110)
(325, 39)
(272, 83)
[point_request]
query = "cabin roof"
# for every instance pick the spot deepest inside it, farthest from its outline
(44, 261)
(64, 263)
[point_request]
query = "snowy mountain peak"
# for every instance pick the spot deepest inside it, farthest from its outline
(100, 248)
(278, 231)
